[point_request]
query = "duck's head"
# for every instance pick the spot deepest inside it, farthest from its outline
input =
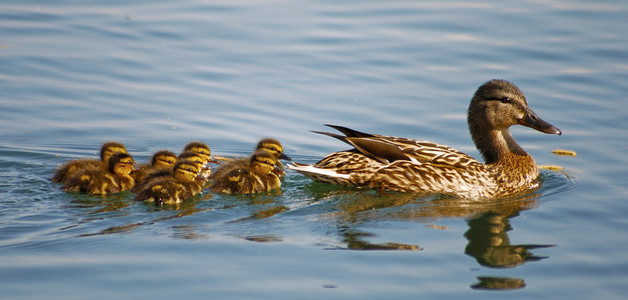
(120, 164)
(202, 149)
(499, 104)
(163, 158)
(263, 162)
(274, 147)
(109, 148)
(186, 171)
(198, 159)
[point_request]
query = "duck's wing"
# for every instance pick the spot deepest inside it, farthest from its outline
(387, 149)
(431, 153)
(375, 147)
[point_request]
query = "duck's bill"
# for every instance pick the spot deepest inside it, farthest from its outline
(285, 157)
(279, 171)
(207, 165)
(200, 177)
(533, 121)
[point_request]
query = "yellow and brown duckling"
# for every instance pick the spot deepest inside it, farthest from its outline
(113, 179)
(271, 145)
(260, 175)
(202, 149)
(407, 165)
(156, 174)
(162, 159)
(69, 169)
(183, 183)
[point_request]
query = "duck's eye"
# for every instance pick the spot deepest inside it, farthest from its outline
(505, 100)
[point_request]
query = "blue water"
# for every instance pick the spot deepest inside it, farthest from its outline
(157, 74)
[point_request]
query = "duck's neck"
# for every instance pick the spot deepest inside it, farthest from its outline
(499, 147)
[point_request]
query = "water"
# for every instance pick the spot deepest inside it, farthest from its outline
(157, 74)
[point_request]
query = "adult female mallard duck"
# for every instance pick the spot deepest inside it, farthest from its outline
(114, 179)
(69, 169)
(407, 165)
(160, 160)
(271, 145)
(260, 175)
(184, 183)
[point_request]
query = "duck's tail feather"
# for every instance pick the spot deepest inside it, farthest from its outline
(319, 174)
(349, 132)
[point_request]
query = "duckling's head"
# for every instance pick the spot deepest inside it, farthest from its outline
(163, 158)
(263, 162)
(274, 147)
(202, 149)
(109, 148)
(186, 171)
(198, 159)
(192, 156)
(499, 104)
(120, 164)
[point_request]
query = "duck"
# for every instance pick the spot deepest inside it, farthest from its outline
(271, 145)
(389, 163)
(184, 182)
(69, 169)
(158, 173)
(115, 178)
(260, 175)
(202, 149)
(162, 159)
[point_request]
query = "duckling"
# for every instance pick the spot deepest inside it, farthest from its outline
(160, 159)
(203, 149)
(114, 179)
(157, 174)
(271, 145)
(408, 165)
(260, 175)
(184, 183)
(69, 169)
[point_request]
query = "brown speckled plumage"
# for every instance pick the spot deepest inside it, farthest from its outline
(406, 165)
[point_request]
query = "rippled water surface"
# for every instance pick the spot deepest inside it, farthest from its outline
(157, 74)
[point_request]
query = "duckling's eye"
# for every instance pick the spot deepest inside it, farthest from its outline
(505, 100)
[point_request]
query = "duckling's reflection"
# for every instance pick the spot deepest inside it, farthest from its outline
(186, 208)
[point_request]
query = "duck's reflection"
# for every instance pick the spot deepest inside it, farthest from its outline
(490, 246)
(355, 241)
(498, 283)
(487, 235)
